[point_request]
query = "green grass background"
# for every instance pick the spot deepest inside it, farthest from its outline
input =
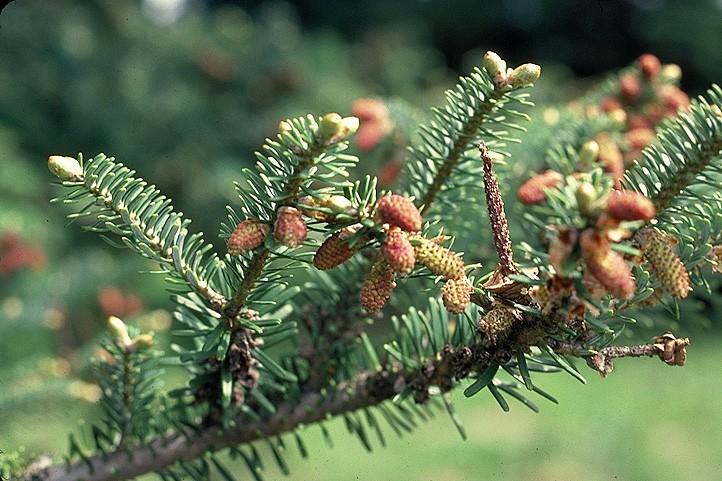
(646, 421)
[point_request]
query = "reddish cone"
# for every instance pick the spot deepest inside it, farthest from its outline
(532, 191)
(650, 65)
(629, 205)
(398, 251)
(630, 87)
(248, 235)
(399, 211)
(607, 266)
(290, 228)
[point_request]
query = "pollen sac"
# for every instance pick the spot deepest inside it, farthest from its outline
(629, 205)
(439, 260)
(607, 266)
(659, 251)
(398, 251)
(532, 191)
(290, 228)
(456, 294)
(247, 235)
(399, 211)
(377, 287)
(335, 250)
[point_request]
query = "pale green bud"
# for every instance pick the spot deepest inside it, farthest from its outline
(494, 65)
(349, 126)
(618, 117)
(330, 125)
(334, 128)
(119, 330)
(587, 196)
(524, 75)
(338, 203)
(65, 168)
(143, 341)
(589, 152)
(670, 73)
(284, 126)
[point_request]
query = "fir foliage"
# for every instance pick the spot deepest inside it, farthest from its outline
(273, 344)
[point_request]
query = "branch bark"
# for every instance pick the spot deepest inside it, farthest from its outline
(670, 349)
(367, 389)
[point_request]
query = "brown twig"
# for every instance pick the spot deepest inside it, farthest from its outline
(670, 349)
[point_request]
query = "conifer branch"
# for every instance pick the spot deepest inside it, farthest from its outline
(239, 394)
(366, 389)
(684, 177)
(480, 105)
(461, 144)
(687, 146)
(124, 205)
(670, 349)
(316, 141)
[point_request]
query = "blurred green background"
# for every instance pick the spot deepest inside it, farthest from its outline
(184, 90)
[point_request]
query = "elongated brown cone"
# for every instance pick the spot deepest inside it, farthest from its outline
(247, 235)
(659, 251)
(335, 250)
(607, 266)
(377, 287)
(629, 205)
(532, 191)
